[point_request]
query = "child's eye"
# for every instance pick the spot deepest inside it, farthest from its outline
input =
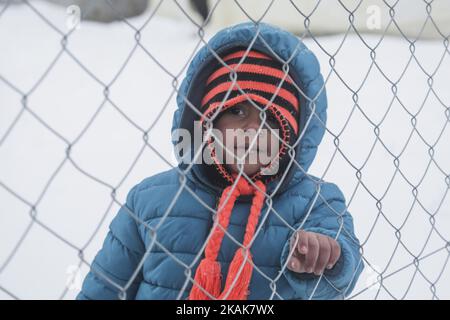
(236, 110)
(271, 121)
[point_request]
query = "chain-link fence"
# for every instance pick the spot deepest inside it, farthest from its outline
(86, 113)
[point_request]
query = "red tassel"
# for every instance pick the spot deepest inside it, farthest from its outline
(237, 284)
(208, 276)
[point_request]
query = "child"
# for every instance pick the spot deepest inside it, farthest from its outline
(241, 229)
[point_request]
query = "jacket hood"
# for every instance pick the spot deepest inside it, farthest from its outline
(303, 68)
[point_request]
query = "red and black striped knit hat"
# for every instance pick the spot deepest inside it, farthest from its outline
(260, 77)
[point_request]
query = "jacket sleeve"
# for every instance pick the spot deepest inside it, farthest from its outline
(329, 217)
(118, 259)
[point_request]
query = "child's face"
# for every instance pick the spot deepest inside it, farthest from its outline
(242, 120)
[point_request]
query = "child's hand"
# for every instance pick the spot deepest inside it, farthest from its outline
(314, 252)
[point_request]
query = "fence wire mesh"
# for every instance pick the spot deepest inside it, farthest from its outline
(386, 142)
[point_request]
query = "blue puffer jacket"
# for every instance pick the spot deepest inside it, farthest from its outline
(155, 242)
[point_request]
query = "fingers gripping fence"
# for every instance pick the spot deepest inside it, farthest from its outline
(386, 144)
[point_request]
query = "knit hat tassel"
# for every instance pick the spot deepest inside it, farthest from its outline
(208, 274)
(236, 287)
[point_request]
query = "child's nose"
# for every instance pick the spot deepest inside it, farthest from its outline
(253, 121)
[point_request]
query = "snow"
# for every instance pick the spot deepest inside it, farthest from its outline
(71, 197)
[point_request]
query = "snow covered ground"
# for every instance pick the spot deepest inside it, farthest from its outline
(72, 197)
